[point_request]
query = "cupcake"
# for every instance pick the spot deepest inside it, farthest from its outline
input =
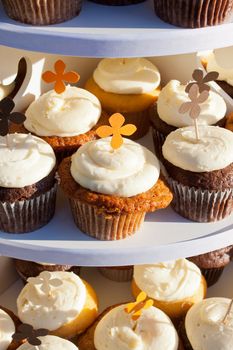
(65, 120)
(50, 342)
(229, 122)
(111, 190)
(8, 325)
(117, 2)
(174, 286)
(200, 173)
(28, 269)
(58, 301)
(129, 86)
(194, 13)
(167, 117)
(213, 263)
(27, 183)
(116, 329)
(209, 325)
(117, 273)
(42, 12)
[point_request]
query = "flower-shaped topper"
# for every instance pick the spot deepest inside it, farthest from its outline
(229, 310)
(46, 281)
(6, 107)
(141, 303)
(201, 80)
(60, 77)
(26, 332)
(116, 130)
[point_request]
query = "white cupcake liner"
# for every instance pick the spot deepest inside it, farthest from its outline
(28, 215)
(200, 205)
(117, 274)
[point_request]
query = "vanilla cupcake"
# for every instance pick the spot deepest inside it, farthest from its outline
(66, 121)
(50, 342)
(208, 326)
(8, 325)
(58, 301)
(27, 183)
(167, 118)
(129, 86)
(200, 173)
(115, 329)
(174, 286)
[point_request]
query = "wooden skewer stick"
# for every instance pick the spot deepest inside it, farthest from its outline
(224, 321)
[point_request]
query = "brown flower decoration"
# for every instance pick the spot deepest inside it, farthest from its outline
(46, 281)
(26, 331)
(201, 80)
(196, 98)
(6, 106)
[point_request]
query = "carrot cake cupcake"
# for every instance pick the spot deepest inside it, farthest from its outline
(174, 286)
(58, 301)
(8, 325)
(129, 86)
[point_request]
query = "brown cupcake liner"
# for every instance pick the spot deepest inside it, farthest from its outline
(141, 120)
(200, 205)
(117, 2)
(194, 13)
(159, 140)
(42, 12)
(28, 215)
(62, 154)
(103, 226)
(121, 274)
(212, 275)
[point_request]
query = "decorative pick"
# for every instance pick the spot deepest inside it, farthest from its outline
(116, 130)
(141, 303)
(46, 281)
(201, 80)
(26, 331)
(60, 77)
(6, 106)
(224, 321)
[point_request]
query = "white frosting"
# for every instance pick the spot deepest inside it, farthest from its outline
(173, 95)
(7, 329)
(6, 90)
(126, 172)
(212, 152)
(168, 281)
(204, 326)
(152, 331)
(127, 76)
(71, 113)
(225, 73)
(50, 342)
(52, 306)
(24, 160)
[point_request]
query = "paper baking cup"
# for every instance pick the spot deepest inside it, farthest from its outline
(28, 215)
(212, 275)
(200, 205)
(194, 13)
(117, 274)
(62, 154)
(103, 226)
(159, 140)
(141, 120)
(117, 2)
(42, 12)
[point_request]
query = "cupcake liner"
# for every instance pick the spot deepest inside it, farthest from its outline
(62, 154)
(141, 120)
(117, 2)
(42, 12)
(200, 205)
(212, 275)
(28, 215)
(95, 223)
(159, 140)
(121, 274)
(194, 13)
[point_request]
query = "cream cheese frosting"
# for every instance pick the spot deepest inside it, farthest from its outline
(173, 95)
(44, 305)
(168, 281)
(212, 152)
(205, 328)
(225, 73)
(50, 342)
(72, 113)
(24, 160)
(152, 331)
(127, 75)
(7, 329)
(126, 171)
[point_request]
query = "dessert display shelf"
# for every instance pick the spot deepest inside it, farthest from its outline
(106, 31)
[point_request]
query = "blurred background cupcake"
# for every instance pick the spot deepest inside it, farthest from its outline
(117, 2)
(117, 273)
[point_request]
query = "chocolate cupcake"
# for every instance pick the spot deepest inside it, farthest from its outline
(42, 12)
(28, 269)
(8, 326)
(213, 263)
(117, 273)
(166, 116)
(200, 172)
(194, 13)
(27, 183)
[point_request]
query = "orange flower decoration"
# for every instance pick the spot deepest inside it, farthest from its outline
(60, 77)
(140, 304)
(116, 130)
